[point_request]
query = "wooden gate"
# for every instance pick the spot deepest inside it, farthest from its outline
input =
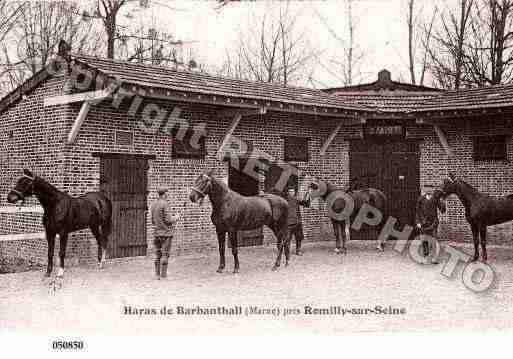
(124, 179)
(393, 167)
(247, 186)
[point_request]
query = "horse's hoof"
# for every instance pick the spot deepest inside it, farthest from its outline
(275, 268)
(474, 259)
(236, 270)
(47, 274)
(219, 270)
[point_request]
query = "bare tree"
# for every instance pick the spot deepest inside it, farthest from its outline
(147, 44)
(490, 56)
(449, 51)
(348, 66)
(419, 40)
(9, 14)
(35, 35)
(274, 50)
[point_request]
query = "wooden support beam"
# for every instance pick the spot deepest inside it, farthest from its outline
(242, 112)
(229, 132)
(330, 139)
(78, 97)
(79, 121)
(443, 140)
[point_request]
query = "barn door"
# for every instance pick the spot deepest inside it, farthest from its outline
(124, 178)
(246, 186)
(402, 182)
(392, 167)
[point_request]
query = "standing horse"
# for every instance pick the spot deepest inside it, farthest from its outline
(232, 212)
(481, 210)
(370, 196)
(64, 214)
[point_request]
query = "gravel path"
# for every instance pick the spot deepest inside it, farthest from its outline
(93, 301)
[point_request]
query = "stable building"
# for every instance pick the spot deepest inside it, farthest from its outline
(82, 124)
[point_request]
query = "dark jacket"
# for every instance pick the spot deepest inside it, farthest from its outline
(294, 211)
(426, 212)
(163, 221)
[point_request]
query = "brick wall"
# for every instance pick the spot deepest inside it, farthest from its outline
(97, 135)
(38, 142)
(494, 178)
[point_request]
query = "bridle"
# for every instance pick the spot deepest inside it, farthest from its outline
(203, 192)
(31, 187)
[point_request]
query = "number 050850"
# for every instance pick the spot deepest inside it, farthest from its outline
(67, 345)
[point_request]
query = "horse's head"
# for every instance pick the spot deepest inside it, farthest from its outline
(24, 187)
(449, 185)
(318, 188)
(202, 187)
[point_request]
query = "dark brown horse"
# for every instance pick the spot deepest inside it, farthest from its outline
(481, 210)
(232, 212)
(64, 214)
(370, 196)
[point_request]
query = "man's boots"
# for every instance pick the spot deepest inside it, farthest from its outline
(157, 269)
(163, 270)
(299, 252)
(425, 248)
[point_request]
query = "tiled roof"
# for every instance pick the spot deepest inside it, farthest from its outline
(378, 97)
(167, 78)
(498, 96)
(388, 101)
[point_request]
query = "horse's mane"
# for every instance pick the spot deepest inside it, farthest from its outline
(471, 188)
(48, 187)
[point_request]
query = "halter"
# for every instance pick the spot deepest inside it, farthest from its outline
(195, 189)
(31, 186)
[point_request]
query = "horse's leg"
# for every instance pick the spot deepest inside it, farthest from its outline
(221, 236)
(62, 252)
(233, 240)
(347, 236)
(482, 233)
(50, 238)
(281, 236)
(475, 237)
(286, 242)
(105, 233)
(99, 240)
(337, 235)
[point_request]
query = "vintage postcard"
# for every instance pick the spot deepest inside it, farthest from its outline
(255, 168)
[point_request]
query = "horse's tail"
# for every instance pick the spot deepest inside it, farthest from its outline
(103, 206)
(106, 215)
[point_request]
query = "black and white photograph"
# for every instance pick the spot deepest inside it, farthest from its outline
(256, 168)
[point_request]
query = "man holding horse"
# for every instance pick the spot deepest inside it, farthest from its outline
(426, 219)
(163, 223)
(294, 221)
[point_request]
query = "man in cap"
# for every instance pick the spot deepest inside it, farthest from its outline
(294, 219)
(163, 224)
(426, 219)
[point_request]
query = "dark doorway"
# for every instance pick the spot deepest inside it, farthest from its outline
(124, 179)
(247, 186)
(393, 167)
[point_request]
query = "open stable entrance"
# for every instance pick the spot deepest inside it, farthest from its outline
(124, 179)
(392, 166)
(246, 186)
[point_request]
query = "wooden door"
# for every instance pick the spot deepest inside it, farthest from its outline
(392, 167)
(246, 186)
(402, 180)
(124, 178)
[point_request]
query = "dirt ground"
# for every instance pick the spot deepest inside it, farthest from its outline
(94, 302)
